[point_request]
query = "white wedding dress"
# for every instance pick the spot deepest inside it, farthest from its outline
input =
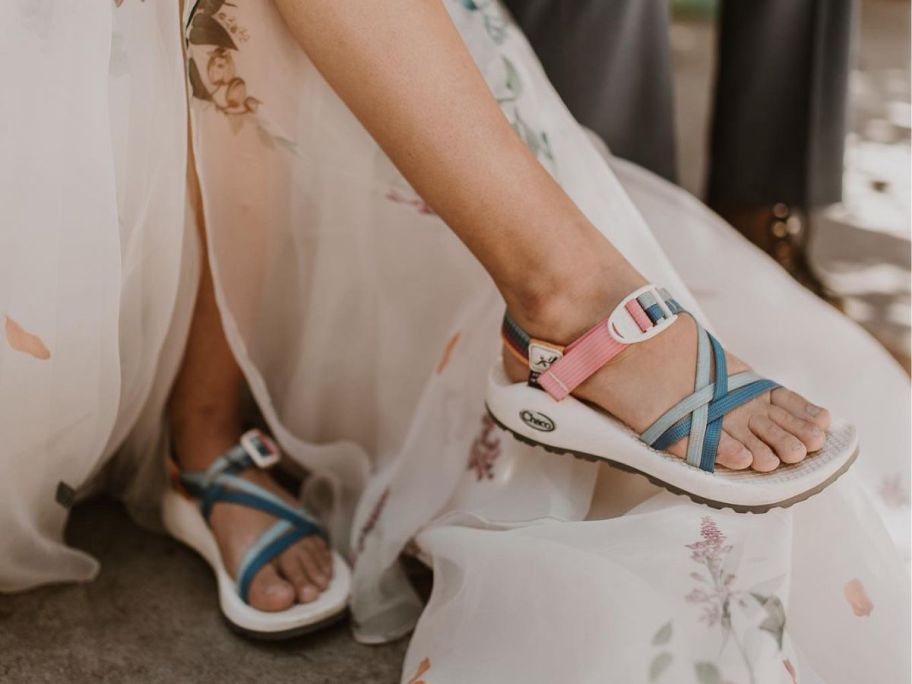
(366, 330)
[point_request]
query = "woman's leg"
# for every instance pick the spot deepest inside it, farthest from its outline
(404, 71)
(204, 411)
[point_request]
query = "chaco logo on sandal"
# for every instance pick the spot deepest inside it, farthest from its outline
(537, 421)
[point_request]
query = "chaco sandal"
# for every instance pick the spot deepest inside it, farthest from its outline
(542, 412)
(186, 509)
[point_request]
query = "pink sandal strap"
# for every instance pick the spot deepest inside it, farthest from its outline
(559, 370)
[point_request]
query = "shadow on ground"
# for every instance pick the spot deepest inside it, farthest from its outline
(151, 617)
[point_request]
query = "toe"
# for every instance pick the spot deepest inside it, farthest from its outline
(294, 572)
(763, 458)
(800, 407)
(812, 436)
(786, 446)
(323, 554)
(307, 556)
(268, 591)
(732, 454)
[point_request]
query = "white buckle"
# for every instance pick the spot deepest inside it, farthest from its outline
(623, 328)
(542, 355)
(262, 450)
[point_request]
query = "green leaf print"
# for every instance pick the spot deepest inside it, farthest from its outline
(210, 6)
(663, 636)
(206, 30)
(708, 673)
(658, 665)
(775, 616)
(513, 82)
(197, 87)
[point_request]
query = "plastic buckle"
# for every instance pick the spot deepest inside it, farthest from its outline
(542, 355)
(262, 450)
(624, 329)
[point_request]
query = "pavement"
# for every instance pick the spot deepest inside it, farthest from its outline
(151, 618)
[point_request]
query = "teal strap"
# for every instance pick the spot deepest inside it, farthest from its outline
(701, 412)
(720, 389)
(220, 484)
(717, 409)
(687, 405)
(271, 543)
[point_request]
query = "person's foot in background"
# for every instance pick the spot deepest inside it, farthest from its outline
(782, 232)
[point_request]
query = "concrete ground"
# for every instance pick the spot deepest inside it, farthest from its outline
(151, 615)
(151, 618)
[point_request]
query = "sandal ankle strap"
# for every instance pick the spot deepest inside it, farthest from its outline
(644, 313)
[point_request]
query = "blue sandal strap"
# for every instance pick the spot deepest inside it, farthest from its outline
(237, 490)
(720, 389)
(718, 409)
(270, 544)
(688, 404)
(220, 483)
(700, 414)
(232, 461)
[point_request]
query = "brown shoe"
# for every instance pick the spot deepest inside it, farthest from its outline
(780, 231)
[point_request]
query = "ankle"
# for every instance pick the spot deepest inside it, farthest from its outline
(198, 437)
(561, 307)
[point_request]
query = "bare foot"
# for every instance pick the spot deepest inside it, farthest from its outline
(652, 376)
(299, 574)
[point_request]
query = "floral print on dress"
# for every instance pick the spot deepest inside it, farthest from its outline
(857, 596)
(423, 667)
(447, 353)
(412, 199)
(494, 21)
(212, 36)
(485, 450)
(370, 524)
(21, 340)
(894, 490)
(717, 597)
(508, 86)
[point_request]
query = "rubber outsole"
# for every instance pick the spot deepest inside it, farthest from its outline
(718, 505)
(285, 634)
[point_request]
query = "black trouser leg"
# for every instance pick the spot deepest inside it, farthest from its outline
(780, 115)
(610, 61)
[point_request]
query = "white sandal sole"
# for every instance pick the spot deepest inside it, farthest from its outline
(182, 518)
(571, 426)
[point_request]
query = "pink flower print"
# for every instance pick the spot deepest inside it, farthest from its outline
(23, 341)
(485, 450)
(894, 490)
(710, 552)
(857, 597)
(423, 667)
(220, 68)
(791, 670)
(447, 353)
(417, 202)
(372, 519)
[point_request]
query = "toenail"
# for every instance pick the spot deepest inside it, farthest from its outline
(797, 446)
(812, 410)
(816, 431)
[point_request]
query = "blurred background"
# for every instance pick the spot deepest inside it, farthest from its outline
(150, 616)
(860, 248)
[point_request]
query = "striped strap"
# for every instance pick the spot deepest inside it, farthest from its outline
(220, 483)
(559, 370)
